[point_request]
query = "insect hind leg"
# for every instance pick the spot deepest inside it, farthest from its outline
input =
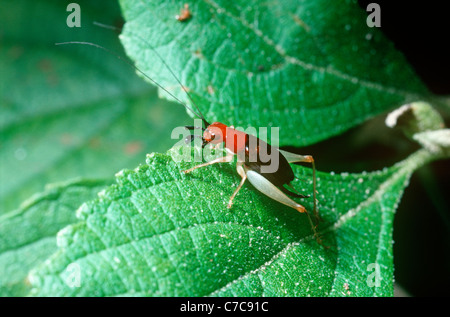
(297, 158)
(292, 191)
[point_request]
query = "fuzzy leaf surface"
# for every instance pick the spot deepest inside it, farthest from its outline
(160, 232)
(312, 68)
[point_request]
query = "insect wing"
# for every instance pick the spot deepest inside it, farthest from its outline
(267, 155)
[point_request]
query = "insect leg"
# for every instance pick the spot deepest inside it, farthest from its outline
(297, 158)
(266, 187)
(242, 173)
(223, 159)
(294, 158)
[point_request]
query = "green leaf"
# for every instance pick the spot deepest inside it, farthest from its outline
(70, 111)
(28, 234)
(160, 232)
(313, 68)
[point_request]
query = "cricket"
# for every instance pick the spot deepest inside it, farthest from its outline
(251, 165)
(276, 184)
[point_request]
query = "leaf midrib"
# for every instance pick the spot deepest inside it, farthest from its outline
(257, 269)
(406, 167)
(359, 83)
(308, 66)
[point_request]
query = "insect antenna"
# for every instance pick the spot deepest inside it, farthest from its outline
(135, 67)
(198, 113)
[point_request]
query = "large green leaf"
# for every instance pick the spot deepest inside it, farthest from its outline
(74, 111)
(161, 232)
(70, 111)
(28, 234)
(313, 68)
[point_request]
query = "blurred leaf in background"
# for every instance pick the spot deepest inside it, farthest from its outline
(65, 112)
(72, 111)
(28, 234)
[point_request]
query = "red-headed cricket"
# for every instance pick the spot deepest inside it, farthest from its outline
(254, 155)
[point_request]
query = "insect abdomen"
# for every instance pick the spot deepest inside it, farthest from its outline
(259, 155)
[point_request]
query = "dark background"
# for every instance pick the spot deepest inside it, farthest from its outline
(422, 221)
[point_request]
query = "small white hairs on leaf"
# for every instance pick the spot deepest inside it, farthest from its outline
(433, 141)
